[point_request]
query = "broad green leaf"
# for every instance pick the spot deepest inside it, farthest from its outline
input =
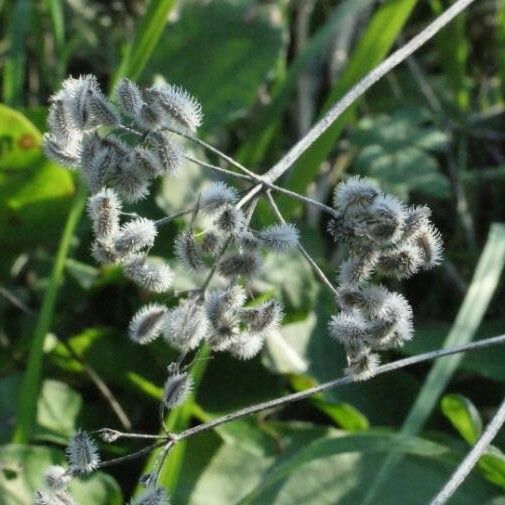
(20, 141)
(463, 415)
(57, 409)
(492, 466)
(375, 43)
(220, 55)
(58, 406)
(470, 315)
(34, 193)
(22, 474)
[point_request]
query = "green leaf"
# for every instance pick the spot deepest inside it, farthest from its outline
(375, 43)
(20, 141)
(492, 466)
(22, 470)
(57, 409)
(471, 312)
(219, 54)
(463, 415)
(147, 35)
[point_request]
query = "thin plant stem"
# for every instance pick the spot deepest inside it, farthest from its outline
(27, 402)
(133, 455)
(302, 395)
(319, 273)
(362, 86)
(471, 458)
(220, 169)
(121, 434)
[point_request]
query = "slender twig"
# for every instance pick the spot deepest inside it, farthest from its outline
(133, 455)
(302, 250)
(214, 150)
(175, 215)
(362, 86)
(121, 434)
(471, 458)
(220, 169)
(302, 395)
(14, 300)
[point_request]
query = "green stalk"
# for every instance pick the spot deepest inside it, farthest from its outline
(27, 403)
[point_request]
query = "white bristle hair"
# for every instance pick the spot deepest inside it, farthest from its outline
(279, 237)
(82, 453)
(147, 323)
(176, 389)
(149, 274)
(104, 209)
(136, 235)
(216, 195)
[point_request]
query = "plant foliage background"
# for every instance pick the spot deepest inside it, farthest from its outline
(431, 132)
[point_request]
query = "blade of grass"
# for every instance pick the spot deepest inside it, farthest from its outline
(27, 402)
(377, 40)
(148, 32)
(15, 61)
(267, 123)
(500, 44)
(468, 320)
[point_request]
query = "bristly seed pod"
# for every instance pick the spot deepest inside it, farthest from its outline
(57, 478)
(363, 365)
(245, 264)
(429, 242)
(210, 243)
(178, 104)
(129, 97)
(101, 111)
(147, 323)
(68, 156)
(263, 318)
(168, 153)
(104, 209)
(50, 497)
(385, 219)
(104, 252)
(82, 453)
(186, 325)
(349, 328)
(157, 496)
(154, 276)
(216, 195)
(401, 263)
(177, 388)
(231, 220)
(136, 235)
(222, 308)
(279, 237)
(354, 194)
(416, 220)
(187, 250)
(147, 161)
(357, 269)
(246, 345)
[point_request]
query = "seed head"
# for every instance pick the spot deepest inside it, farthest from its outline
(101, 111)
(57, 478)
(279, 237)
(167, 151)
(349, 328)
(104, 209)
(263, 318)
(401, 263)
(385, 219)
(50, 497)
(245, 264)
(186, 325)
(136, 235)
(129, 97)
(429, 242)
(416, 220)
(187, 250)
(130, 182)
(246, 345)
(178, 105)
(147, 273)
(82, 453)
(63, 154)
(177, 388)
(147, 323)
(216, 195)
(354, 194)
(231, 220)
(357, 269)
(156, 496)
(210, 243)
(104, 252)
(363, 365)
